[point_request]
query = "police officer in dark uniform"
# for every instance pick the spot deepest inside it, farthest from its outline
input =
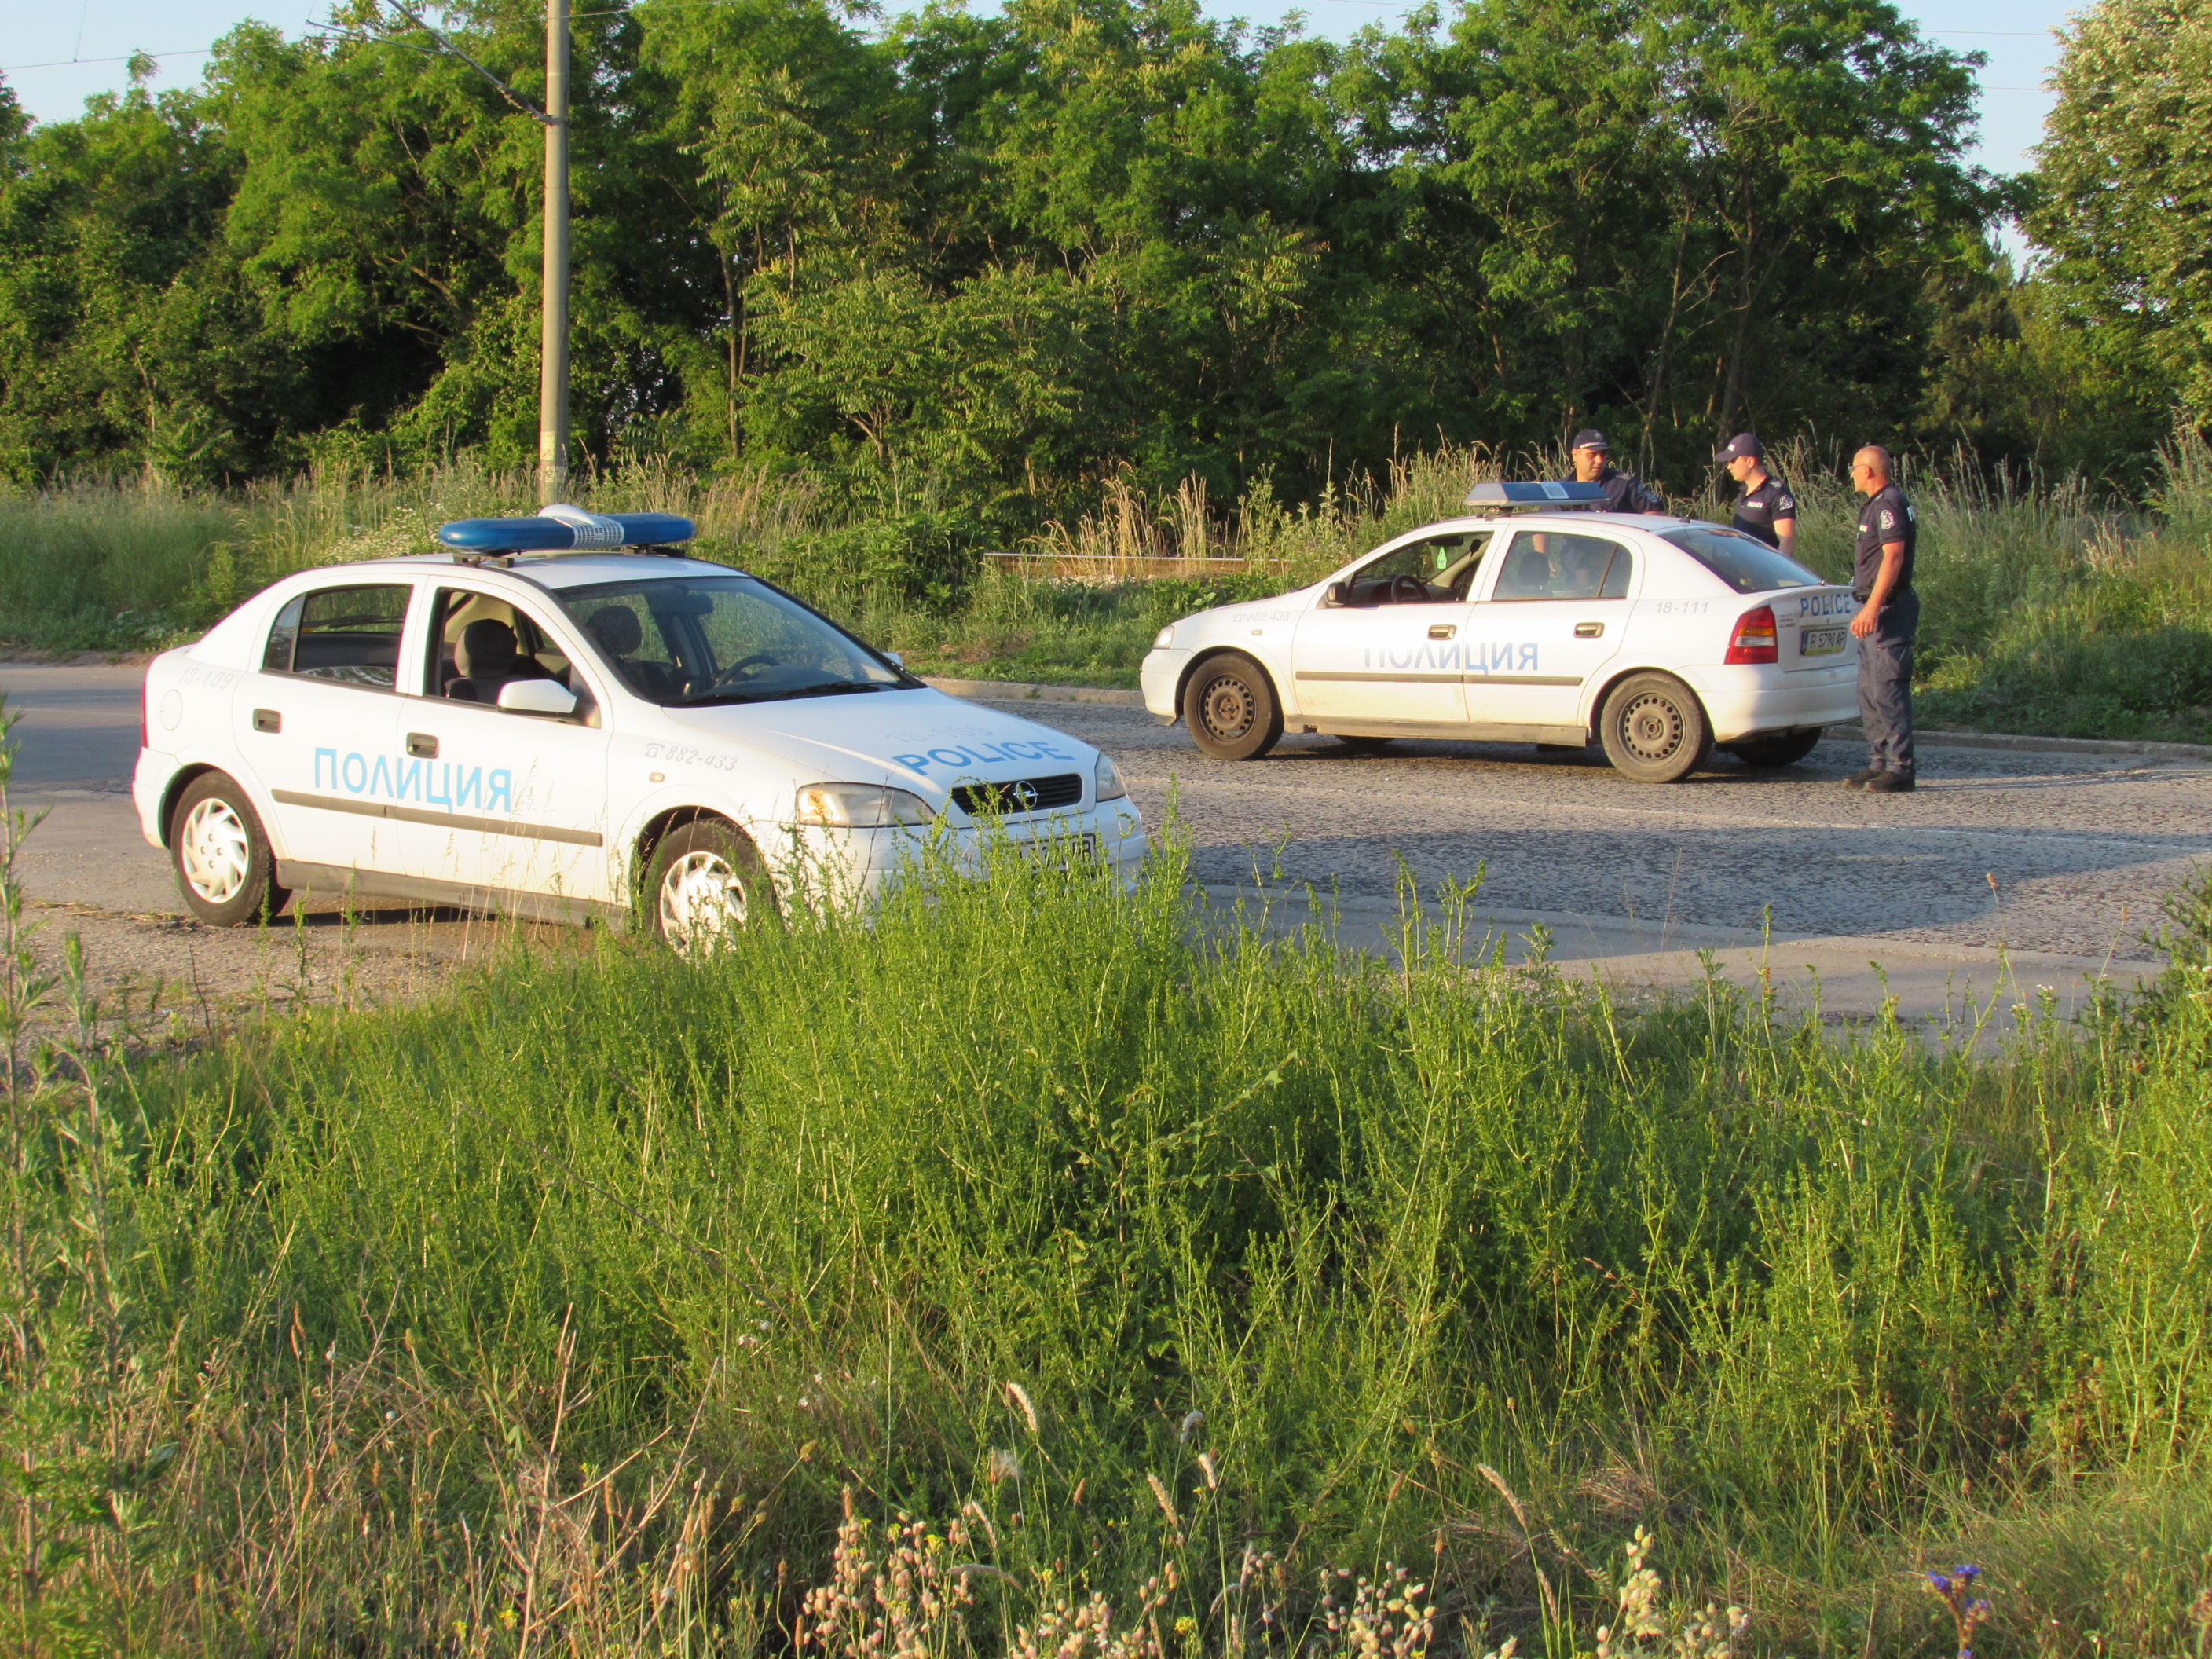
(1889, 618)
(1624, 491)
(1765, 507)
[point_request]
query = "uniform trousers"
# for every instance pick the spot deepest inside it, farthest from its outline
(1886, 684)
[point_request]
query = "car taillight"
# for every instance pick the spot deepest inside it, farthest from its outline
(1753, 639)
(145, 691)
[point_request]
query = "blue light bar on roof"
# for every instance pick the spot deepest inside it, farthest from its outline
(561, 529)
(1495, 493)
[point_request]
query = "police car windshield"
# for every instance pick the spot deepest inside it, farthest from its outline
(682, 642)
(1744, 562)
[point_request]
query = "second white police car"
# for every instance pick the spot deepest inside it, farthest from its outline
(537, 723)
(1662, 638)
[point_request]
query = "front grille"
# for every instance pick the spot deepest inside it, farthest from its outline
(1013, 799)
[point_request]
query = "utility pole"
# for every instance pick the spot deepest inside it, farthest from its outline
(553, 358)
(553, 346)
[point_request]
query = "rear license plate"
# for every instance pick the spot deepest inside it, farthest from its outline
(1820, 642)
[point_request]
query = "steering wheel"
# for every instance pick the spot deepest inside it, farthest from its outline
(1409, 589)
(761, 659)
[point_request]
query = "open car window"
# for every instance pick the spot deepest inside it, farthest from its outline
(1744, 562)
(1552, 564)
(1434, 570)
(692, 639)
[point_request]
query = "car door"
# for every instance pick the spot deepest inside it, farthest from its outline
(319, 718)
(495, 801)
(1552, 617)
(1385, 650)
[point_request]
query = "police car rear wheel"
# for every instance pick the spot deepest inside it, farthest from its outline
(1762, 753)
(705, 884)
(1654, 729)
(1229, 708)
(225, 870)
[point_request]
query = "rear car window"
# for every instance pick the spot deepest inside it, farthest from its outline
(350, 635)
(1744, 562)
(1550, 564)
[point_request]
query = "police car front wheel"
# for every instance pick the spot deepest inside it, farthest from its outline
(225, 870)
(1229, 706)
(1654, 729)
(705, 883)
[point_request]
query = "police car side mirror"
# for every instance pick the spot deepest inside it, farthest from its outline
(894, 659)
(537, 697)
(1338, 593)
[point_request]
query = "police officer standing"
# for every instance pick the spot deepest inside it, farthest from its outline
(1624, 491)
(1765, 507)
(1889, 618)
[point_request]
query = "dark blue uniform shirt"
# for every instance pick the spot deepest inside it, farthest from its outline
(1624, 491)
(1756, 510)
(1886, 517)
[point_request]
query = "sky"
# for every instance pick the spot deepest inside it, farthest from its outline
(56, 53)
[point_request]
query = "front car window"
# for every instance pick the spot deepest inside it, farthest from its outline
(1744, 562)
(349, 634)
(1435, 570)
(686, 641)
(1552, 564)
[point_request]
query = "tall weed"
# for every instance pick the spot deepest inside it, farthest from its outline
(1179, 1264)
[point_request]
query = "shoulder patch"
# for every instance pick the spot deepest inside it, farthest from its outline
(1784, 504)
(1888, 518)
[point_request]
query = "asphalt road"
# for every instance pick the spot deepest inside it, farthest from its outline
(2006, 871)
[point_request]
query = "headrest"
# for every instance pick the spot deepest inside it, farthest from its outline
(616, 627)
(487, 647)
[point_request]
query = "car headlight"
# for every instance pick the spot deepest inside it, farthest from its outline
(1107, 778)
(1164, 638)
(861, 805)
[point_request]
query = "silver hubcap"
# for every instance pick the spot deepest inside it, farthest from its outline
(701, 901)
(216, 853)
(1651, 726)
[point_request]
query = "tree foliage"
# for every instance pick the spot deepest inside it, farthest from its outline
(975, 264)
(2123, 195)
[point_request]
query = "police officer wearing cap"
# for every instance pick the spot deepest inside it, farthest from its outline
(1624, 491)
(1888, 619)
(1765, 507)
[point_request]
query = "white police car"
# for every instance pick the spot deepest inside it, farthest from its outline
(556, 732)
(1662, 637)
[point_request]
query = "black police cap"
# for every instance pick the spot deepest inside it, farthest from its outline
(1743, 443)
(1590, 438)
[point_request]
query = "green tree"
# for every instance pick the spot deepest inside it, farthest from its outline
(2123, 195)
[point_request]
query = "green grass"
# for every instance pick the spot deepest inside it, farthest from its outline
(2043, 611)
(562, 1313)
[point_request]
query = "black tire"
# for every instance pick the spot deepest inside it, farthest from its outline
(703, 885)
(1763, 753)
(225, 871)
(1229, 706)
(1352, 745)
(1654, 729)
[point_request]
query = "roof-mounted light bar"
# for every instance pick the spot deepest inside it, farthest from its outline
(561, 529)
(1495, 496)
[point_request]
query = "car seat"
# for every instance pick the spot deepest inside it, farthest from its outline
(488, 658)
(616, 631)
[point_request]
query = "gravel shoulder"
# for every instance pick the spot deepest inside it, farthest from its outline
(2009, 871)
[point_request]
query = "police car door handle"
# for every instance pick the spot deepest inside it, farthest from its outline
(268, 719)
(421, 745)
(1588, 631)
(1442, 631)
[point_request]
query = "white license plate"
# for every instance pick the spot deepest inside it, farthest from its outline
(1820, 642)
(1062, 852)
